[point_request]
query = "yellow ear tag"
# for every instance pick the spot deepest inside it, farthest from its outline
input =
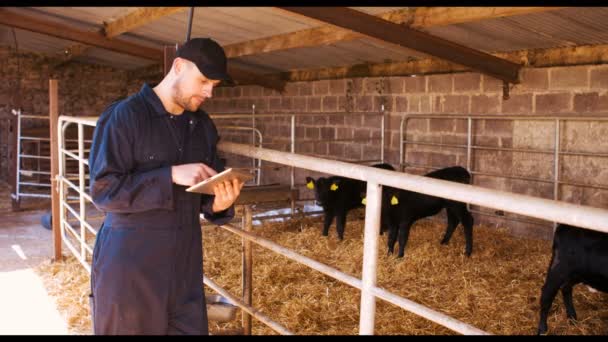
(394, 200)
(364, 201)
(333, 187)
(310, 185)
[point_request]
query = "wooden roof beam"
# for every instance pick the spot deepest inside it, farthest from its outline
(138, 18)
(552, 57)
(98, 40)
(384, 30)
(417, 18)
(116, 27)
(69, 33)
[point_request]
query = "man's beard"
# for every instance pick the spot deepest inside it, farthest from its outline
(183, 101)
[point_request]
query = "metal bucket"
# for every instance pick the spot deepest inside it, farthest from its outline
(220, 309)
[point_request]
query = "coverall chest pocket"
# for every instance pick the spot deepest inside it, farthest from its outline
(200, 152)
(154, 153)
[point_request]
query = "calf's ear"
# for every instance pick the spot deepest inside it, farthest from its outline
(335, 184)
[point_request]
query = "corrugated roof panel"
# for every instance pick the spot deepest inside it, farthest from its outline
(113, 59)
(579, 26)
(93, 15)
(57, 17)
(34, 42)
(493, 35)
(230, 25)
(400, 52)
(339, 54)
(227, 25)
(564, 27)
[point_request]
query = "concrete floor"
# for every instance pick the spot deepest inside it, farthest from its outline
(26, 308)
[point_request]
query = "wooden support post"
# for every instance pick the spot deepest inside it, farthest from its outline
(13, 140)
(54, 118)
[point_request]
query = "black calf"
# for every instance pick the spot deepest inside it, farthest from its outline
(402, 208)
(338, 195)
(579, 256)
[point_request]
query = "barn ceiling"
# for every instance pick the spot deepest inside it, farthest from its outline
(287, 43)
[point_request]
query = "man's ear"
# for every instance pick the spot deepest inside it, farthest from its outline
(178, 65)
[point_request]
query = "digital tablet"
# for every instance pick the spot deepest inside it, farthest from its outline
(206, 186)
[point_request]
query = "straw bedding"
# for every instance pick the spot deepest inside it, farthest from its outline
(496, 290)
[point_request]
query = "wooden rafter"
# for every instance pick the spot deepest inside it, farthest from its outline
(69, 53)
(118, 26)
(99, 40)
(66, 32)
(417, 18)
(562, 56)
(386, 31)
(138, 18)
(423, 17)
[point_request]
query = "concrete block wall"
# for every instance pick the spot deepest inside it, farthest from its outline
(84, 89)
(568, 91)
(573, 91)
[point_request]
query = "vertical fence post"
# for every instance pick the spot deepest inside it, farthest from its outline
(16, 196)
(370, 258)
(292, 168)
(13, 152)
(401, 146)
(247, 268)
(382, 133)
(556, 166)
(54, 117)
(81, 186)
(469, 151)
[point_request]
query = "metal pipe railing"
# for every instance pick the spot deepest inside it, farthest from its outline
(370, 258)
(427, 313)
(247, 308)
(255, 132)
(20, 189)
(284, 114)
(586, 217)
(63, 183)
(556, 152)
(290, 142)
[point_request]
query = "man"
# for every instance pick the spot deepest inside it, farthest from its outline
(146, 275)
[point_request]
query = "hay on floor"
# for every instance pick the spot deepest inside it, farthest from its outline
(497, 289)
(68, 283)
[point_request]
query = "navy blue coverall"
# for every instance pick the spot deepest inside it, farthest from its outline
(147, 268)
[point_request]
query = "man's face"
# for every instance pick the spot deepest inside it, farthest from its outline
(192, 88)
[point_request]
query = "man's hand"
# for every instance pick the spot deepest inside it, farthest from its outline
(225, 194)
(191, 174)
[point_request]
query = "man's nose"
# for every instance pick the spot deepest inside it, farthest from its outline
(208, 91)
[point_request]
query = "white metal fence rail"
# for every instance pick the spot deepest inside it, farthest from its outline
(25, 187)
(556, 152)
(587, 217)
(84, 251)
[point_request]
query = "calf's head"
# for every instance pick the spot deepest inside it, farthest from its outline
(323, 188)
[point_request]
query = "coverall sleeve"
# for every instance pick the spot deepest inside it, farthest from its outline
(115, 186)
(224, 216)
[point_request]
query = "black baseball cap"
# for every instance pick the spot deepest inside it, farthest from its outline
(208, 56)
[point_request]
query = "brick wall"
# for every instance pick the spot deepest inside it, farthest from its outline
(84, 89)
(573, 91)
(577, 91)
